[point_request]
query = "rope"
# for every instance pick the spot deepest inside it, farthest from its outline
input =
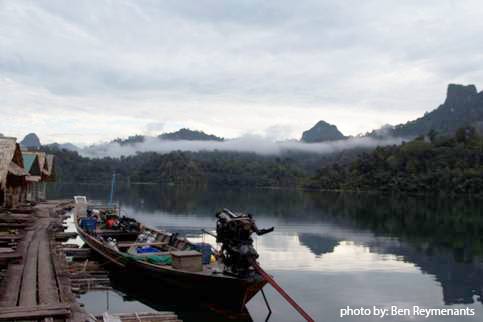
(137, 317)
(282, 292)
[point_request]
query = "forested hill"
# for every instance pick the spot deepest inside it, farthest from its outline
(424, 165)
(235, 169)
(189, 135)
(182, 134)
(462, 107)
(321, 132)
(291, 169)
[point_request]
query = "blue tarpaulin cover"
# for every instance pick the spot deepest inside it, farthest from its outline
(147, 249)
(205, 250)
(88, 224)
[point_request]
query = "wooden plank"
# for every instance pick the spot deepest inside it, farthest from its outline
(34, 312)
(125, 244)
(48, 292)
(22, 210)
(9, 237)
(61, 275)
(145, 314)
(136, 317)
(42, 277)
(23, 245)
(65, 236)
(14, 220)
(13, 278)
(78, 314)
(70, 245)
(116, 233)
(13, 225)
(152, 319)
(76, 250)
(17, 216)
(10, 256)
(81, 253)
(28, 292)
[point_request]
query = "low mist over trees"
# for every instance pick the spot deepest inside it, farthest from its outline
(427, 164)
(222, 168)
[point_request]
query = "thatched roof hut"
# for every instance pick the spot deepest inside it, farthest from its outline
(11, 160)
(41, 168)
(32, 166)
(7, 150)
(12, 172)
(42, 162)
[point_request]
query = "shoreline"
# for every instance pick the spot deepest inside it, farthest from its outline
(440, 194)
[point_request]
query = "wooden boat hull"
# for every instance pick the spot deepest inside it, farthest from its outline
(162, 298)
(213, 290)
(229, 293)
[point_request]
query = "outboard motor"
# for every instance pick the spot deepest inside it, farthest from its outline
(129, 224)
(234, 232)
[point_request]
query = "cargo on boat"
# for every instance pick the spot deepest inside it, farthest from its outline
(224, 279)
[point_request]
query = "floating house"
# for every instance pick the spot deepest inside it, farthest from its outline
(41, 170)
(32, 166)
(13, 185)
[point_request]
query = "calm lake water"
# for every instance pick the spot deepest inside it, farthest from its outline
(329, 250)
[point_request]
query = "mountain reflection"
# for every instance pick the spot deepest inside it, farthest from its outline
(319, 245)
(461, 281)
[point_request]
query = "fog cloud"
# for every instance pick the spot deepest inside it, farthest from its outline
(251, 144)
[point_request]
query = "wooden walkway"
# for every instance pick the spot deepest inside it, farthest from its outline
(37, 285)
(137, 317)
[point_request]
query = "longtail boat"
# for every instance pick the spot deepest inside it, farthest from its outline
(222, 278)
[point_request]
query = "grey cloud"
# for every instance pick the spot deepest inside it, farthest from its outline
(154, 128)
(279, 132)
(376, 56)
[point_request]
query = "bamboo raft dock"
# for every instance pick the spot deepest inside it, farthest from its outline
(136, 317)
(36, 284)
(36, 281)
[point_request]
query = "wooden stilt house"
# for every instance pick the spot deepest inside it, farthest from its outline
(45, 174)
(32, 166)
(12, 174)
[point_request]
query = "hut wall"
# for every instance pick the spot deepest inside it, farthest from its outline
(37, 191)
(33, 191)
(42, 191)
(2, 197)
(30, 192)
(13, 197)
(16, 191)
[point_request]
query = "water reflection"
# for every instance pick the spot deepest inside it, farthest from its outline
(168, 300)
(332, 250)
(318, 244)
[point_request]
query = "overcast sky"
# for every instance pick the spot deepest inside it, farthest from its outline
(90, 71)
